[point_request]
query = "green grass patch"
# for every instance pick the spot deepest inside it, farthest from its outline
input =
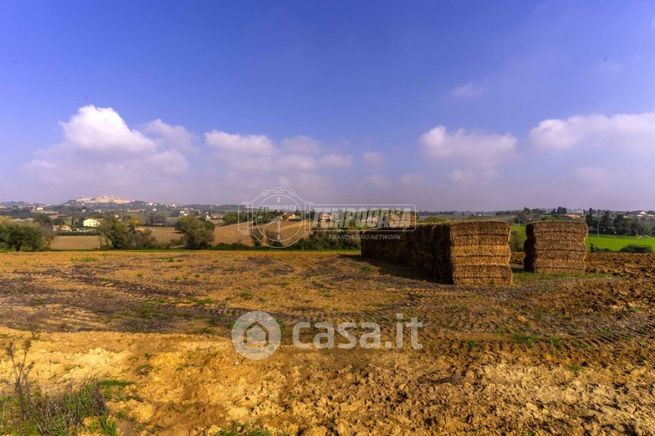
(471, 345)
(144, 370)
(56, 414)
(246, 295)
(609, 242)
(616, 243)
(244, 430)
(114, 383)
(84, 259)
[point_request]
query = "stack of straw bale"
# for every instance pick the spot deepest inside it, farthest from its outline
(467, 252)
(555, 247)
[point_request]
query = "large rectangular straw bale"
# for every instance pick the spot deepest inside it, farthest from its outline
(541, 228)
(555, 246)
(474, 252)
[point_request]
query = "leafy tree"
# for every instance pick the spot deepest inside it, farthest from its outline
(23, 235)
(591, 220)
(155, 219)
(197, 233)
(621, 224)
(121, 235)
(42, 219)
(606, 223)
(231, 218)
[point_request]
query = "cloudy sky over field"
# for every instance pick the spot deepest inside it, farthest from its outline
(448, 105)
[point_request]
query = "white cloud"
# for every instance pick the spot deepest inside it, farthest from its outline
(235, 143)
(293, 162)
(476, 149)
(634, 131)
(174, 136)
(373, 158)
(301, 144)
(101, 153)
(40, 164)
(102, 131)
(468, 90)
(170, 162)
(296, 162)
(460, 176)
(411, 179)
(337, 160)
(377, 181)
(592, 174)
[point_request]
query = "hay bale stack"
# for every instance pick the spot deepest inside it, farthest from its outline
(390, 246)
(471, 252)
(555, 247)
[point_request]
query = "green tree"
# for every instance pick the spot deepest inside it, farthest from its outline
(42, 219)
(121, 235)
(197, 233)
(23, 235)
(517, 241)
(606, 223)
(231, 218)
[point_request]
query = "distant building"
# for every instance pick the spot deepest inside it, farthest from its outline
(91, 222)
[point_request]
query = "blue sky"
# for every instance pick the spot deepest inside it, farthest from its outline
(448, 105)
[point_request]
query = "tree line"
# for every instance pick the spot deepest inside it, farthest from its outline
(608, 223)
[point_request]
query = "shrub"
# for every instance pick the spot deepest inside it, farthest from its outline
(18, 235)
(120, 235)
(197, 233)
(517, 241)
(633, 248)
(232, 246)
(595, 249)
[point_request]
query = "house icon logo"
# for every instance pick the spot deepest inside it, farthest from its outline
(256, 335)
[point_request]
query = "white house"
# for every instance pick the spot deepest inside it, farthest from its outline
(91, 222)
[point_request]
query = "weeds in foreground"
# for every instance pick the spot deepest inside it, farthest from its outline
(30, 411)
(244, 430)
(367, 269)
(84, 259)
(471, 344)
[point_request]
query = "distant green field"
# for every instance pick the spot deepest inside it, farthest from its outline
(614, 243)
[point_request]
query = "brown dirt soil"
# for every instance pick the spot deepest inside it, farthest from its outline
(67, 242)
(289, 232)
(551, 353)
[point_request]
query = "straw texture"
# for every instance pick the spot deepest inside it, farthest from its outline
(471, 252)
(555, 247)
